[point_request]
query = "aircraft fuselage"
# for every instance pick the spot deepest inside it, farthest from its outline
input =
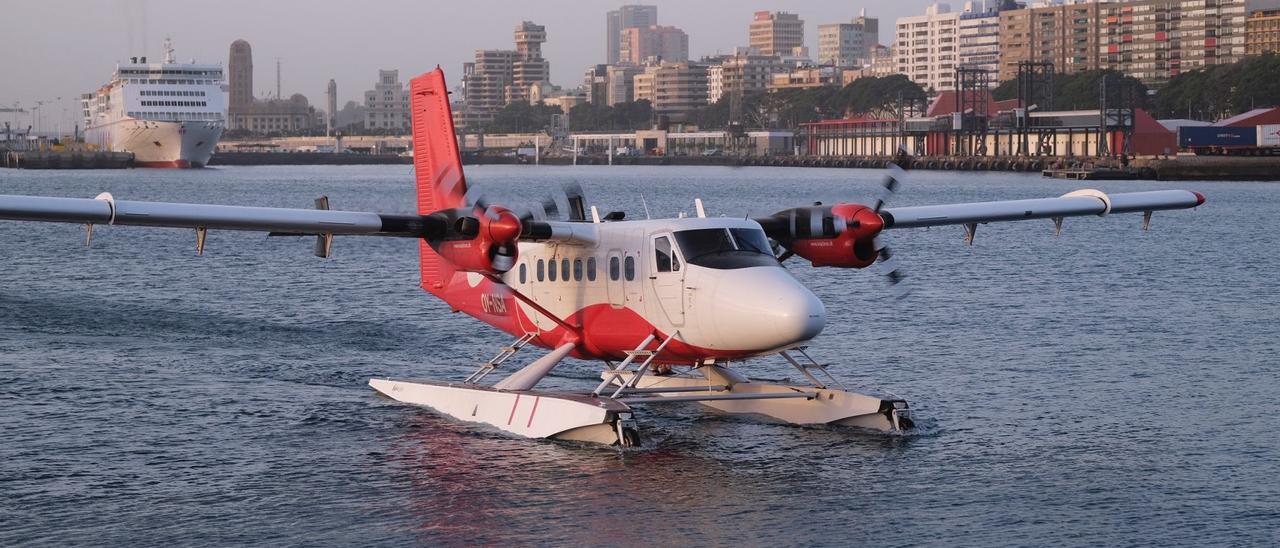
(714, 281)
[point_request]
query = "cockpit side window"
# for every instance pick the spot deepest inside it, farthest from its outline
(662, 253)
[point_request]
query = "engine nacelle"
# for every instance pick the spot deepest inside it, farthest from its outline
(842, 235)
(485, 243)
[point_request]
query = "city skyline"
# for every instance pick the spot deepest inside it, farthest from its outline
(322, 42)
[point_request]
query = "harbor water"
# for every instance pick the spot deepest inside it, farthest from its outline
(1105, 387)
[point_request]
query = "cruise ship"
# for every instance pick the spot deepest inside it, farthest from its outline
(167, 114)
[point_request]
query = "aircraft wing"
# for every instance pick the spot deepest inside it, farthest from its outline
(105, 210)
(845, 235)
(1079, 203)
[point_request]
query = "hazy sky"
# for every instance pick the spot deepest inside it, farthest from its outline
(62, 48)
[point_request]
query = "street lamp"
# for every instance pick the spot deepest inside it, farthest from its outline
(35, 116)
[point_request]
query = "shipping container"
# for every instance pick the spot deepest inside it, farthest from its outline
(1214, 137)
(1269, 136)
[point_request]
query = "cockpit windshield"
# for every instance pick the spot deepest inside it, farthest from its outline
(726, 248)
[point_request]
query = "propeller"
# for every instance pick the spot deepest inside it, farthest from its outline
(889, 262)
(505, 224)
(568, 203)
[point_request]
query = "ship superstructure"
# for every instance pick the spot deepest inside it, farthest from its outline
(167, 114)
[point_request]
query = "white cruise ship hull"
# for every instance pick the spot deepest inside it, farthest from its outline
(159, 144)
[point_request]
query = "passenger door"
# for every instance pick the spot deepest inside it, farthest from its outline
(613, 274)
(666, 274)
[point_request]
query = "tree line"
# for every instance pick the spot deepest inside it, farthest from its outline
(1082, 90)
(1221, 91)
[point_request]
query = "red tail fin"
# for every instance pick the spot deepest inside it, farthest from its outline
(437, 164)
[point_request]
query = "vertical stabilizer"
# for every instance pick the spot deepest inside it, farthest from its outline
(437, 165)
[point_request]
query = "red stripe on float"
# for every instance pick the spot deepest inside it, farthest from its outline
(535, 410)
(513, 410)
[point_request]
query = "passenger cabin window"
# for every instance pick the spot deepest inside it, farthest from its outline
(591, 269)
(577, 270)
(524, 273)
(551, 270)
(564, 269)
(541, 271)
(614, 270)
(629, 267)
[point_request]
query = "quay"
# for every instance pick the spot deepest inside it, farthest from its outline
(74, 159)
(238, 158)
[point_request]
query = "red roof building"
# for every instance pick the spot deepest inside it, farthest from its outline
(1255, 117)
(945, 103)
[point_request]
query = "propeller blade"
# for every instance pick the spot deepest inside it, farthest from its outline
(890, 264)
(576, 201)
(475, 198)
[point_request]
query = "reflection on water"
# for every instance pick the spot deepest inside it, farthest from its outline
(1106, 387)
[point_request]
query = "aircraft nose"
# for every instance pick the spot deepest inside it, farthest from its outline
(764, 308)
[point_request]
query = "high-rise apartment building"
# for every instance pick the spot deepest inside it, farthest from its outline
(1151, 40)
(870, 31)
(1262, 32)
(928, 47)
(639, 45)
(841, 44)
(883, 62)
(673, 89)
(528, 68)
(980, 38)
(848, 44)
(745, 71)
(775, 33)
(623, 18)
(642, 85)
(621, 84)
(1066, 35)
(596, 83)
(499, 77)
(484, 85)
(1154, 40)
(387, 104)
(715, 83)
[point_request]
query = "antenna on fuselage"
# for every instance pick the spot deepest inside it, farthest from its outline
(646, 207)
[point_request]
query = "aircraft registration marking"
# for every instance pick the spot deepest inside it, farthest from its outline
(493, 303)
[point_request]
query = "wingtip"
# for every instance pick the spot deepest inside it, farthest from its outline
(1199, 198)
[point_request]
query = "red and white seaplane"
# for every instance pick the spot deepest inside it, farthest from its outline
(642, 297)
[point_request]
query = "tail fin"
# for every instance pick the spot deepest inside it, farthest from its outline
(437, 164)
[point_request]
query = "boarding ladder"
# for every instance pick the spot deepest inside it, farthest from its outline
(612, 375)
(503, 355)
(808, 365)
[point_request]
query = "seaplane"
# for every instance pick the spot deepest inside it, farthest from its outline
(673, 309)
